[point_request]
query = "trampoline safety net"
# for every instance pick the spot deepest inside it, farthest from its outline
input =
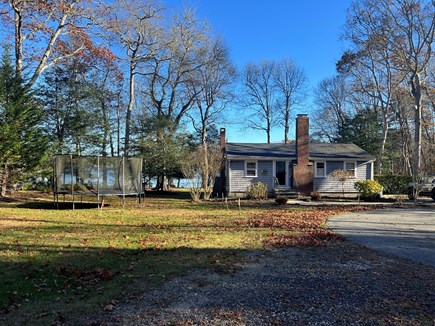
(97, 175)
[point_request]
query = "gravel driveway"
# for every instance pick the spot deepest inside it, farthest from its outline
(340, 284)
(408, 233)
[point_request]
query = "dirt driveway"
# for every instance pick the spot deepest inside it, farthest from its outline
(408, 233)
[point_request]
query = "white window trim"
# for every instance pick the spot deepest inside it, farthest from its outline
(246, 169)
(354, 171)
(324, 169)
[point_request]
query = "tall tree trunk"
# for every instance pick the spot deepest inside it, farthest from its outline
(384, 139)
(286, 119)
(268, 128)
(205, 169)
(406, 148)
(4, 179)
(129, 110)
(416, 93)
(112, 148)
(118, 126)
(417, 154)
(206, 174)
(105, 129)
(18, 23)
(162, 182)
(162, 179)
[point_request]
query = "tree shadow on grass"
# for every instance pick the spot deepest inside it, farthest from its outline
(60, 206)
(64, 282)
(167, 194)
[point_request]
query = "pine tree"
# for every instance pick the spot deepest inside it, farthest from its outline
(22, 141)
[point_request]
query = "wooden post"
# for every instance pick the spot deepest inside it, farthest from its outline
(72, 183)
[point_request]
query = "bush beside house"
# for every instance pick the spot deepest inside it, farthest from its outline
(394, 184)
(369, 189)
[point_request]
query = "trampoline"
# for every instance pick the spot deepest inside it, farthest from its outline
(97, 175)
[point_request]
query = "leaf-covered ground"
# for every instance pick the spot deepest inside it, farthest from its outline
(57, 262)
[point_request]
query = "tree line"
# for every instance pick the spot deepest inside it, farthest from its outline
(137, 78)
(382, 97)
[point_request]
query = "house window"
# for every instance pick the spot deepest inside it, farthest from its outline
(251, 169)
(320, 170)
(350, 167)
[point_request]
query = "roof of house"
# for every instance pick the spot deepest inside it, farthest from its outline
(280, 150)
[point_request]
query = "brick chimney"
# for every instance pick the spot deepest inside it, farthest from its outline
(303, 170)
(222, 139)
(223, 179)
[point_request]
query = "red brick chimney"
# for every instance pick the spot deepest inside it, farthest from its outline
(303, 170)
(222, 140)
(223, 179)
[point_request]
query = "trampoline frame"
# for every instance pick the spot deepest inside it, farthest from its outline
(100, 195)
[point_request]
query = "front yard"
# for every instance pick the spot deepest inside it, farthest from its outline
(59, 263)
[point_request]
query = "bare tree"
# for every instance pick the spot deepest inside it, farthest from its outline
(413, 30)
(178, 59)
(331, 97)
(196, 168)
(213, 86)
(38, 27)
(105, 83)
(134, 25)
(342, 176)
(259, 96)
(291, 86)
(211, 163)
(402, 108)
(369, 71)
(191, 168)
(178, 56)
(402, 33)
(428, 117)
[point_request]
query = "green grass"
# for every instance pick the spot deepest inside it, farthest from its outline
(63, 261)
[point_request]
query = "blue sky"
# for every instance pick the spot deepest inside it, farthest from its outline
(306, 31)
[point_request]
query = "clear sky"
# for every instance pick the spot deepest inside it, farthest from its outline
(254, 30)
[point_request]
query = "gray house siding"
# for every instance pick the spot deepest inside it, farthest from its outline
(239, 182)
(329, 184)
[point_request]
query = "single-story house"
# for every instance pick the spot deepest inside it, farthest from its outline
(302, 167)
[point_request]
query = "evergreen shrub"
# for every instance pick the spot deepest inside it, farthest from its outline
(394, 184)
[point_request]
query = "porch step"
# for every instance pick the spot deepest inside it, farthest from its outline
(289, 193)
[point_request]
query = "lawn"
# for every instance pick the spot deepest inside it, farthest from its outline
(56, 262)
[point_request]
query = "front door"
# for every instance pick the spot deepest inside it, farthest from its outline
(280, 173)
